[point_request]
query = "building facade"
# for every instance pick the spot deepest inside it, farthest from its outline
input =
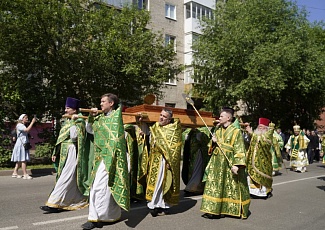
(179, 22)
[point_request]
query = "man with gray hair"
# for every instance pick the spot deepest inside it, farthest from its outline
(163, 174)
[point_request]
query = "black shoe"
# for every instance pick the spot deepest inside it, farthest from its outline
(50, 209)
(269, 195)
(187, 194)
(91, 225)
(154, 212)
(210, 216)
(163, 211)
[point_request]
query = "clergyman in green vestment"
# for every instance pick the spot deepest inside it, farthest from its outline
(226, 189)
(72, 172)
(297, 149)
(276, 153)
(163, 176)
(136, 151)
(109, 179)
(195, 159)
(259, 159)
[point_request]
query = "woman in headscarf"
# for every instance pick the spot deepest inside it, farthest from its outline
(20, 154)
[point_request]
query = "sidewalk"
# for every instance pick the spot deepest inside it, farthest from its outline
(33, 160)
(45, 171)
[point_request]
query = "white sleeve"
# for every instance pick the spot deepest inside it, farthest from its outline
(145, 128)
(73, 133)
(89, 128)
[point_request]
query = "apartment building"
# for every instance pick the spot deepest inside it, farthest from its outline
(179, 22)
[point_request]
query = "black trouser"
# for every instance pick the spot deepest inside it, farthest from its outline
(284, 154)
(311, 155)
(316, 157)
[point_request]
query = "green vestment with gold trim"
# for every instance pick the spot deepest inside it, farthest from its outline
(133, 141)
(225, 192)
(276, 151)
(195, 141)
(259, 159)
(63, 143)
(143, 161)
(165, 142)
(298, 150)
(110, 147)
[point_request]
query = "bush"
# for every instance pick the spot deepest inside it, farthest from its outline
(44, 150)
(5, 156)
(6, 148)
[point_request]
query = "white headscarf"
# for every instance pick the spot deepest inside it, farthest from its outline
(21, 117)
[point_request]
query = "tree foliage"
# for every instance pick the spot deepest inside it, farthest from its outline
(265, 54)
(56, 48)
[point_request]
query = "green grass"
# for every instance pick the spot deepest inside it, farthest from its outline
(31, 167)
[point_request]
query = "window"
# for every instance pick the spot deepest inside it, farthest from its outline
(117, 3)
(204, 11)
(143, 4)
(170, 11)
(170, 40)
(194, 10)
(171, 81)
(188, 78)
(197, 11)
(194, 37)
(188, 10)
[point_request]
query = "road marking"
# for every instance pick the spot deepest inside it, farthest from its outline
(144, 207)
(8, 228)
(291, 181)
(86, 216)
(60, 220)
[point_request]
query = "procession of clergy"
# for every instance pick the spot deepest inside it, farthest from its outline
(104, 164)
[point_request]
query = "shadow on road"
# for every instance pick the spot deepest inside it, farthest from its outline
(42, 172)
(321, 187)
(138, 214)
(323, 179)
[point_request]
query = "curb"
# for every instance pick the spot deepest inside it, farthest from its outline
(45, 171)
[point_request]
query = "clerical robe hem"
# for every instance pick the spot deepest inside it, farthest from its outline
(69, 208)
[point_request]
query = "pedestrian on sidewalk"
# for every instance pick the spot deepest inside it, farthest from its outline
(20, 153)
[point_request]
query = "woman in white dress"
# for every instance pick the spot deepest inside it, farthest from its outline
(20, 154)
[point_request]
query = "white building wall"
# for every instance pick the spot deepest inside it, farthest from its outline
(184, 30)
(193, 11)
(208, 3)
(172, 95)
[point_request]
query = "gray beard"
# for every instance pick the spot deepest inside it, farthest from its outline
(260, 132)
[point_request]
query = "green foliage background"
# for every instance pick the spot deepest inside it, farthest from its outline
(265, 54)
(53, 49)
(268, 56)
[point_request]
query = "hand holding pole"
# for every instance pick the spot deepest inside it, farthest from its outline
(190, 101)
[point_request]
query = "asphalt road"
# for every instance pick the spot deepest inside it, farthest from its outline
(298, 203)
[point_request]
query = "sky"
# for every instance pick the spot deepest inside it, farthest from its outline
(316, 9)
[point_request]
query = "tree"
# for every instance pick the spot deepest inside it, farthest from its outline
(52, 49)
(56, 48)
(266, 55)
